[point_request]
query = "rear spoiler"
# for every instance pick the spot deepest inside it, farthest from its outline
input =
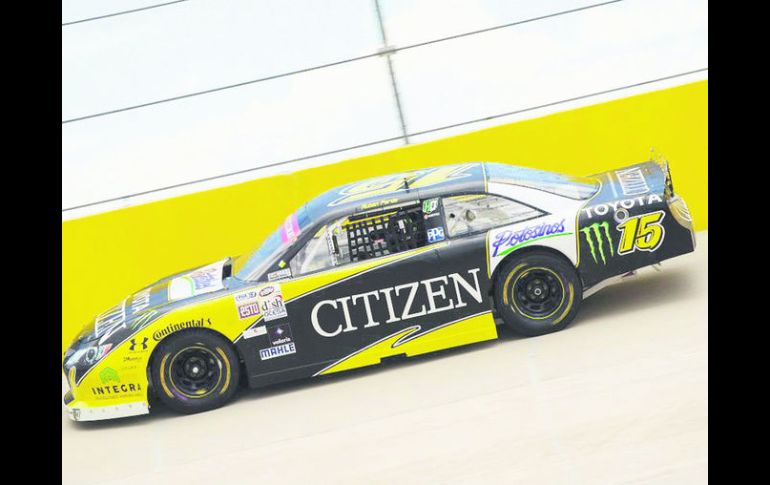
(652, 176)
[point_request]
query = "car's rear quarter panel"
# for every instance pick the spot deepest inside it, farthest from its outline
(631, 192)
(556, 230)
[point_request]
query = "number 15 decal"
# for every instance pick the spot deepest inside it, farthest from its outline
(644, 232)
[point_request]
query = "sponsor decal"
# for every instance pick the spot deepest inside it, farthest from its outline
(270, 301)
(430, 205)
(632, 181)
(109, 374)
(603, 209)
(644, 232)
(290, 229)
(332, 317)
(435, 235)
(598, 237)
(279, 334)
(202, 280)
(138, 346)
(508, 240)
(115, 390)
(277, 351)
(279, 275)
(330, 248)
(254, 331)
(174, 327)
(94, 354)
(246, 303)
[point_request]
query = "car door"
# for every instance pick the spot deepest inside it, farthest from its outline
(365, 287)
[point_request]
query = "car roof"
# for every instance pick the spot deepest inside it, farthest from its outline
(397, 187)
(402, 187)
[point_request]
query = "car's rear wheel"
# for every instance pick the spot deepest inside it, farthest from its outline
(194, 371)
(537, 293)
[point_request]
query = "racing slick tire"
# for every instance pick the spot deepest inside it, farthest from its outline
(195, 370)
(537, 293)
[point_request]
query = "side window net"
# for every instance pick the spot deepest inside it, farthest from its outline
(371, 236)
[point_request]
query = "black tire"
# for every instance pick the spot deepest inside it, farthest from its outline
(194, 371)
(537, 293)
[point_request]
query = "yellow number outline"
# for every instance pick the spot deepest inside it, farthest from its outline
(644, 232)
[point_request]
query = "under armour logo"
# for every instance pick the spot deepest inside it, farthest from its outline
(143, 344)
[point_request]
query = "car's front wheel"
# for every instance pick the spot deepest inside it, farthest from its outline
(195, 370)
(537, 293)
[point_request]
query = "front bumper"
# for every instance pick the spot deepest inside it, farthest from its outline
(79, 411)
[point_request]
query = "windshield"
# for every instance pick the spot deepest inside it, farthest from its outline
(275, 244)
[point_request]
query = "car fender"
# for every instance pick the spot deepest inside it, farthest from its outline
(121, 376)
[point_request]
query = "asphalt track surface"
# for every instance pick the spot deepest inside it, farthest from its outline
(620, 396)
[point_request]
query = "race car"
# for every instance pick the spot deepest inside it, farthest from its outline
(391, 267)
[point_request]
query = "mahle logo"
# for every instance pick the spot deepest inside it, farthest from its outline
(595, 234)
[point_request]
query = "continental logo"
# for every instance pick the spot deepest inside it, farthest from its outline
(175, 327)
(599, 240)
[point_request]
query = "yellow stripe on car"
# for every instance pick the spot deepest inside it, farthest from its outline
(411, 342)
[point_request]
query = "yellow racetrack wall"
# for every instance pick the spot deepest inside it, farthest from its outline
(108, 256)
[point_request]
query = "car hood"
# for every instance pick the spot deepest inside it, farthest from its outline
(140, 308)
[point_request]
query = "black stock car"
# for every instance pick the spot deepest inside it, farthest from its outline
(400, 265)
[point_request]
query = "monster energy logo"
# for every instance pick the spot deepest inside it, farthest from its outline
(593, 231)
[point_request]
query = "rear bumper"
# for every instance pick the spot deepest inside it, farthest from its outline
(79, 411)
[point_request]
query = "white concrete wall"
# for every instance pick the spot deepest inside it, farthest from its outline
(198, 45)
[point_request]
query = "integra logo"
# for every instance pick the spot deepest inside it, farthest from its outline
(594, 236)
(196, 322)
(339, 309)
(116, 389)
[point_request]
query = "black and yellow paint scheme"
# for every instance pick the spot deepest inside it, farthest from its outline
(434, 295)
